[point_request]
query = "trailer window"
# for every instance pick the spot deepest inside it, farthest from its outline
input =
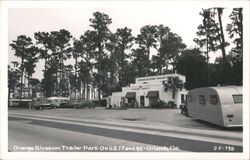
(201, 99)
(190, 98)
(213, 99)
(238, 98)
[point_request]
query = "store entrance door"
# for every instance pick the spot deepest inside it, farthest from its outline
(142, 101)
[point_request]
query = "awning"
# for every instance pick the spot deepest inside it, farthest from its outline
(153, 94)
(130, 95)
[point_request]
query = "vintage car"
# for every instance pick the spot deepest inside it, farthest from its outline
(59, 102)
(159, 104)
(73, 103)
(87, 103)
(41, 103)
(80, 104)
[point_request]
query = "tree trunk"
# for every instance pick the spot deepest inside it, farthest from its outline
(45, 72)
(98, 75)
(29, 96)
(241, 26)
(57, 84)
(84, 90)
(80, 93)
(220, 10)
(87, 87)
(111, 80)
(148, 56)
(75, 76)
(25, 77)
(61, 78)
(122, 68)
(21, 87)
(173, 95)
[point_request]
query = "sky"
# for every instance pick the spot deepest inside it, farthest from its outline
(181, 19)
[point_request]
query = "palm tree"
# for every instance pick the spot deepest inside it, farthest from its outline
(174, 84)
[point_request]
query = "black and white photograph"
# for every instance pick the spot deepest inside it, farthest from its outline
(124, 79)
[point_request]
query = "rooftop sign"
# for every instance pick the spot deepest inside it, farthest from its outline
(152, 78)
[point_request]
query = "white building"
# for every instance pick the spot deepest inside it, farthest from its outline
(148, 89)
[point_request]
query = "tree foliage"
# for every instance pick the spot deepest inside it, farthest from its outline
(193, 65)
(124, 41)
(101, 32)
(109, 61)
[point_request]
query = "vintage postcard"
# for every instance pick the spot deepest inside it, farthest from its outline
(124, 79)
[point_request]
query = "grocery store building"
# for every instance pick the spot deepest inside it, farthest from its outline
(148, 89)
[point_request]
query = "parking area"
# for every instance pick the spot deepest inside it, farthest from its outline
(159, 117)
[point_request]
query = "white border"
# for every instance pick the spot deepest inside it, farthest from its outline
(145, 155)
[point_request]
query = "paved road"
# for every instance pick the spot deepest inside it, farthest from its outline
(53, 133)
(169, 117)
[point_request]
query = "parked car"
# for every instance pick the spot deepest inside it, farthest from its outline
(73, 103)
(80, 104)
(41, 103)
(159, 104)
(58, 101)
(171, 104)
(87, 103)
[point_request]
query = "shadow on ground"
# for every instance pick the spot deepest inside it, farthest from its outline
(210, 125)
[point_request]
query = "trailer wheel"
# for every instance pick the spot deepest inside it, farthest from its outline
(40, 107)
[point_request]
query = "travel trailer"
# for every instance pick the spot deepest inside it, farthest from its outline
(40, 103)
(218, 105)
